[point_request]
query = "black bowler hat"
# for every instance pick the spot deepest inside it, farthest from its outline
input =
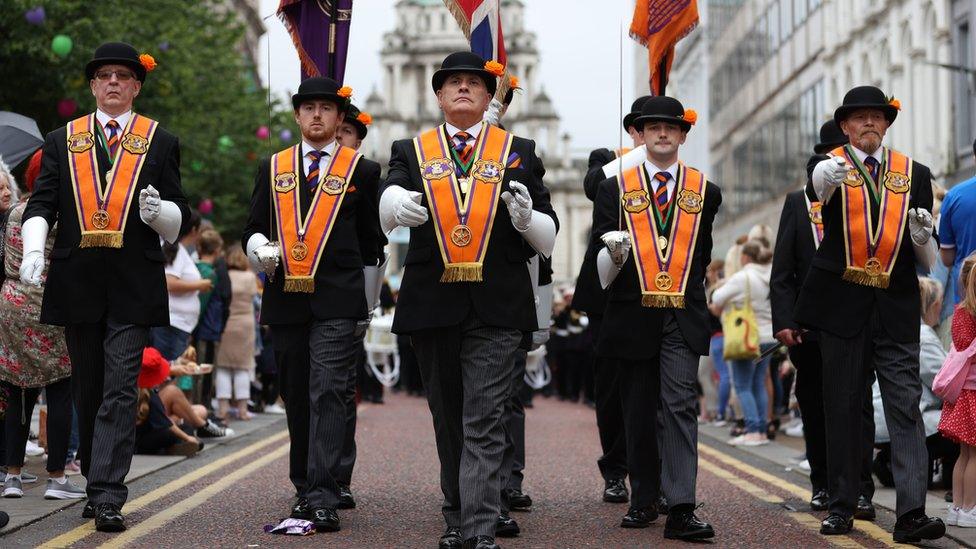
(830, 137)
(866, 97)
(359, 120)
(323, 88)
(661, 108)
(464, 61)
(635, 110)
(116, 53)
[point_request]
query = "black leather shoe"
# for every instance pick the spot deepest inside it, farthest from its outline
(638, 518)
(325, 520)
(914, 530)
(480, 542)
(684, 525)
(108, 518)
(451, 539)
(819, 501)
(865, 509)
(836, 525)
(615, 491)
(89, 511)
(346, 501)
(506, 527)
(301, 510)
(517, 501)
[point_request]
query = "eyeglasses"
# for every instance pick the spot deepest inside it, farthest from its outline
(123, 76)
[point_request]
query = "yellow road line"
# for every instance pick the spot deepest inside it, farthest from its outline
(173, 511)
(808, 521)
(869, 528)
(83, 531)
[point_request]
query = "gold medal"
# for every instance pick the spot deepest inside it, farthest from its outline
(662, 242)
(461, 236)
(299, 251)
(663, 281)
(873, 266)
(100, 219)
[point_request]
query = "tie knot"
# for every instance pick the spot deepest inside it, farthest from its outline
(871, 162)
(314, 155)
(112, 125)
(663, 177)
(462, 137)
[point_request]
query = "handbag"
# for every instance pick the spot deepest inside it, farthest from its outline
(951, 379)
(740, 330)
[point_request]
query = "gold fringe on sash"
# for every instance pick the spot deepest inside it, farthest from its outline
(663, 301)
(462, 272)
(859, 276)
(304, 284)
(101, 239)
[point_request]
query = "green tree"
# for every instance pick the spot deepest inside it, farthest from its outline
(203, 89)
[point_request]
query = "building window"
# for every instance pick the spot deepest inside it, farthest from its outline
(964, 116)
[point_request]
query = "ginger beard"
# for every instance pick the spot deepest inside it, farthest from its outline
(318, 120)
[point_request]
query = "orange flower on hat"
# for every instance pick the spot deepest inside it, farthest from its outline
(365, 118)
(690, 116)
(494, 67)
(513, 82)
(344, 92)
(894, 103)
(147, 62)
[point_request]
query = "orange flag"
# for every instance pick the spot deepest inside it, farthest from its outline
(659, 24)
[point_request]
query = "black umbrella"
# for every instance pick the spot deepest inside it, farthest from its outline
(19, 137)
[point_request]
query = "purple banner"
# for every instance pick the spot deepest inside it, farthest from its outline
(320, 31)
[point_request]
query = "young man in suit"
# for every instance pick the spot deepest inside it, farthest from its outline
(111, 180)
(861, 295)
(466, 298)
(317, 201)
(656, 321)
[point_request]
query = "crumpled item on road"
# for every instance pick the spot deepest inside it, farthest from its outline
(292, 527)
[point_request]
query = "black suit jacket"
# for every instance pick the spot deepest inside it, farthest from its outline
(504, 297)
(631, 331)
(831, 304)
(793, 254)
(589, 296)
(356, 241)
(87, 285)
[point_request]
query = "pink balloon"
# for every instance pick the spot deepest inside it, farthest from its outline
(67, 107)
(205, 207)
(263, 132)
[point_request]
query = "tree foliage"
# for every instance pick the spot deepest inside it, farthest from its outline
(204, 88)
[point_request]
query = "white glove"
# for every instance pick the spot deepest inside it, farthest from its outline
(835, 171)
(149, 205)
(264, 254)
(519, 205)
(920, 224)
(34, 234)
(491, 114)
(618, 245)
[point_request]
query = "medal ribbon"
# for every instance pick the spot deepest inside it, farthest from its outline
(872, 251)
(303, 239)
(463, 223)
(102, 215)
(663, 273)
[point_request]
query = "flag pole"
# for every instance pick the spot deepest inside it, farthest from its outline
(620, 116)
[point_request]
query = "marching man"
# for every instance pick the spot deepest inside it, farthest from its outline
(473, 197)
(314, 230)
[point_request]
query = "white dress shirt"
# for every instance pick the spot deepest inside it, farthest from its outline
(327, 152)
(473, 132)
(652, 170)
(122, 120)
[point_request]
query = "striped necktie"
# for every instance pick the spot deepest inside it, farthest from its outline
(871, 163)
(113, 138)
(461, 146)
(313, 169)
(661, 194)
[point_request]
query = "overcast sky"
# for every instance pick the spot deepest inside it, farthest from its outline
(580, 51)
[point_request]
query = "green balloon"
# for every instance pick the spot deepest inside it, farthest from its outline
(61, 45)
(225, 142)
(196, 165)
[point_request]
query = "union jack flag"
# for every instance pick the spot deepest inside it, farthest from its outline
(481, 22)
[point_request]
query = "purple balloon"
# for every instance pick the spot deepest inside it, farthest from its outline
(35, 15)
(163, 46)
(285, 135)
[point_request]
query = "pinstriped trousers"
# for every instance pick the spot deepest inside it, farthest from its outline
(847, 364)
(467, 372)
(105, 361)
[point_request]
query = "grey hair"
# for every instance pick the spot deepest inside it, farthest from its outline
(11, 181)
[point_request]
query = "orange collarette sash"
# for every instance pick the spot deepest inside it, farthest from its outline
(663, 263)
(463, 223)
(299, 236)
(872, 251)
(102, 214)
(815, 211)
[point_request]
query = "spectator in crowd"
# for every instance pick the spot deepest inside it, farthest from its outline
(713, 276)
(8, 188)
(212, 305)
(32, 357)
(235, 357)
(183, 282)
(957, 232)
(751, 283)
(155, 432)
(178, 408)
